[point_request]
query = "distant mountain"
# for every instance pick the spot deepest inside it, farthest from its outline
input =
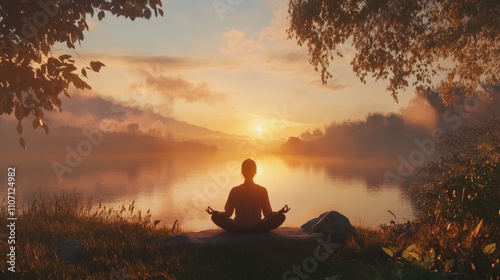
(125, 129)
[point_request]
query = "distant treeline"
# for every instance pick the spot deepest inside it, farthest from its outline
(421, 124)
(121, 142)
(71, 140)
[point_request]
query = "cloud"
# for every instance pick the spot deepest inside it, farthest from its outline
(272, 52)
(172, 88)
(333, 85)
(157, 82)
(162, 63)
(89, 110)
(237, 44)
(290, 58)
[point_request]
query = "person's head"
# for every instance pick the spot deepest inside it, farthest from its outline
(248, 168)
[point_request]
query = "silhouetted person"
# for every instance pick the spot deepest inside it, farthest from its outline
(248, 200)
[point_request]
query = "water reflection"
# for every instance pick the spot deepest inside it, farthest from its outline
(180, 188)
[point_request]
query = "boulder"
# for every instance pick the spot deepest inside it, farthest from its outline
(69, 249)
(332, 224)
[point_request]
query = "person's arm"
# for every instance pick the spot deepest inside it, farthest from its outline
(229, 208)
(266, 206)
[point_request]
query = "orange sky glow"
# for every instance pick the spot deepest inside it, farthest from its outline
(232, 72)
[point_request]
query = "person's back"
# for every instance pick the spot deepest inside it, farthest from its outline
(249, 201)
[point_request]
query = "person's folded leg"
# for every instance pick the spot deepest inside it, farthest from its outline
(225, 222)
(269, 223)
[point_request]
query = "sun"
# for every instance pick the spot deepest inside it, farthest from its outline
(259, 129)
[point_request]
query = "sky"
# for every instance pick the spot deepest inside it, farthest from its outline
(230, 70)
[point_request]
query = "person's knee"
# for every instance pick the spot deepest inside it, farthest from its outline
(218, 217)
(281, 218)
(214, 218)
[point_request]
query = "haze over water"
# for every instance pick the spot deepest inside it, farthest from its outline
(181, 187)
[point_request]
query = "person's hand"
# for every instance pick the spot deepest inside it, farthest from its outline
(210, 210)
(285, 209)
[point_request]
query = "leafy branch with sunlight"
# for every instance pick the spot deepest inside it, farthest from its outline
(32, 76)
(404, 42)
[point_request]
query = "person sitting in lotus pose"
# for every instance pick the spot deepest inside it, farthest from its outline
(248, 200)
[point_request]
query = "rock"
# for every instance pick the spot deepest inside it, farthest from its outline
(308, 226)
(219, 236)
(69, 249)
(332, 224)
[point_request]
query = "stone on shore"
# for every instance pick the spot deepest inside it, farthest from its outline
(332, 224)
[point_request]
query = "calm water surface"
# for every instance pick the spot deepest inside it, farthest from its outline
(181, 188)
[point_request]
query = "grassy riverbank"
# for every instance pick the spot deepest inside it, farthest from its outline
(117, 244)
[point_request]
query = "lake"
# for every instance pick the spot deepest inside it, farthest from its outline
(180, 188)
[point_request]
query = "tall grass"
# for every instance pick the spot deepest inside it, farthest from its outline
(113, 239)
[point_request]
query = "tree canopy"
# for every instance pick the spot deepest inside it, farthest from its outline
(31, 76)
(404, 42)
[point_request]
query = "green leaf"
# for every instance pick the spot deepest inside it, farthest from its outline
(21, 141)
(490, 248)
(410, 255)
(388, 251)
(19, 113)
(19, 128)
(64, 56)
(79, 84)
(96, 65)
(66, 93)
(46, 128)
(36, 124)
(74, 37)
(39, 112)
(431, 254)
(147, 13)
(411, 247)
(100, 15)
